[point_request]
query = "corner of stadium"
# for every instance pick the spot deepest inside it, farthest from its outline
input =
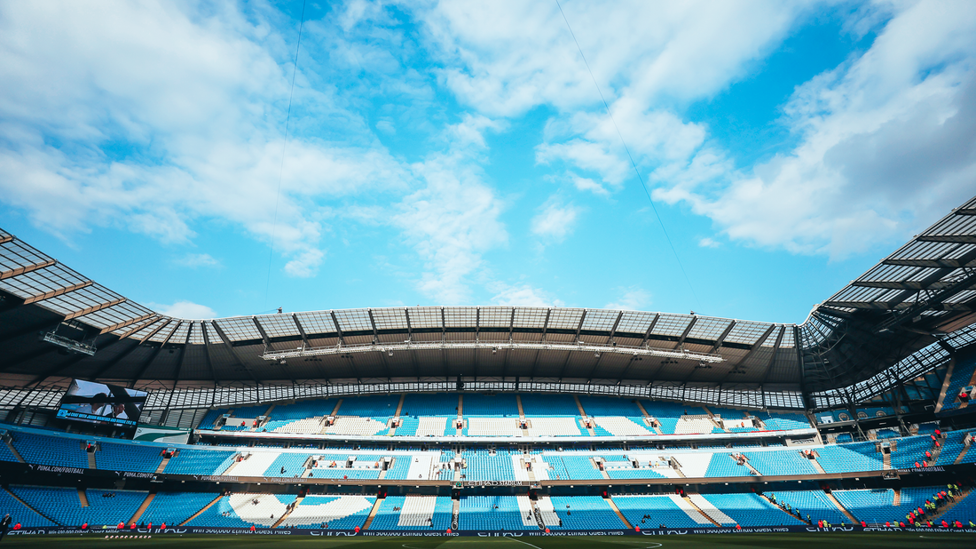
(422, 427)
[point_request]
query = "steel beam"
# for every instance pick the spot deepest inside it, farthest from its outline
(95, 308)
(4, 275)
(55, 293)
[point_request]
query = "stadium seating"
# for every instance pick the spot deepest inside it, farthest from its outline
(199, 462)
(63, 505)
(173, 508)
(333, 512)
(535, 405)
(501, 405)
(581, 513)
(430, 405)
(859, 456)
(128, 457)
(746, 510)
(243, 510)
(654, 511)
(780, 462)
(413, 513)
(811, 502)
(962, 372)
(493, 513)
(26, 516)
(51, 450)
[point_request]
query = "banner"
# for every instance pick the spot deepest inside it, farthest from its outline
(168, 435)
(201, 530)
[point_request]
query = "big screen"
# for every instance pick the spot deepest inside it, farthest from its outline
(101, 403)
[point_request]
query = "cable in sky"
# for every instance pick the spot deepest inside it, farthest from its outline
(630, 156)
(281, 169)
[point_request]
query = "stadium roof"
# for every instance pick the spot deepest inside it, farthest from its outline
(919, 296)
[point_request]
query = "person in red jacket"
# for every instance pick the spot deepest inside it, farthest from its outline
(864, 524)
(84, 526)
(121, 526)
(162, 526)
(252, 528)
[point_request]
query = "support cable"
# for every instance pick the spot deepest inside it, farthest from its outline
(631, 157)
(284, 144)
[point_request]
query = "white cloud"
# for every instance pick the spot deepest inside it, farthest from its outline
(708, 242)
(555, 220)
(586, 184)
(522, 295)
(451, 222)
(166, 113)
(887, 146)
(631, 299)
(184, 309)
(197, 260)
(305, 264)
(505, 57)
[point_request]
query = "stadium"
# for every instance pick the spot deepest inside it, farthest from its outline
(536, 425)
(215, 218)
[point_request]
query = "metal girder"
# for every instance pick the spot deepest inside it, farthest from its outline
(140, 326)
(545, 326)
(264, 335)
(964, 211)
(32, 328)
(40, 351)
(155, 353)
(5, 239)
(206, 354)
(125, 323)
(129, 351)
(95, 308)
(758, 344)
(569, 355)
(898, 285)
(903, 306)
(4, 275)
(928, 263)
(681, 340)
(179, 367)
(772, 356)
(647, 334)
(231, 350)
(721, 338)
(55, 293)
(950, 238)
(413, 356)
(301, 329)
(613, 330)
(372, 322)
(338, 328)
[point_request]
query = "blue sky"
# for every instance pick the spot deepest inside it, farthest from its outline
(459, 153)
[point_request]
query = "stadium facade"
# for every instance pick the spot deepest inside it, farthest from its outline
(485, 419)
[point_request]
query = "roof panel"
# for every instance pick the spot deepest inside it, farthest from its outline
(460, 317)
(746, 332)
(635, 322)
(279, 325)
(238, 328)
(672, 325)
(530, 317)
(496, 317)
(315, 322)
(161, 335)
(196, 333)
(390, 319)
(565, 319)
(709, 328)
(353, 320)
(425, 317)
(601, 320)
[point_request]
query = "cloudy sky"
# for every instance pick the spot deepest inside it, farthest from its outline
(460, 153)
